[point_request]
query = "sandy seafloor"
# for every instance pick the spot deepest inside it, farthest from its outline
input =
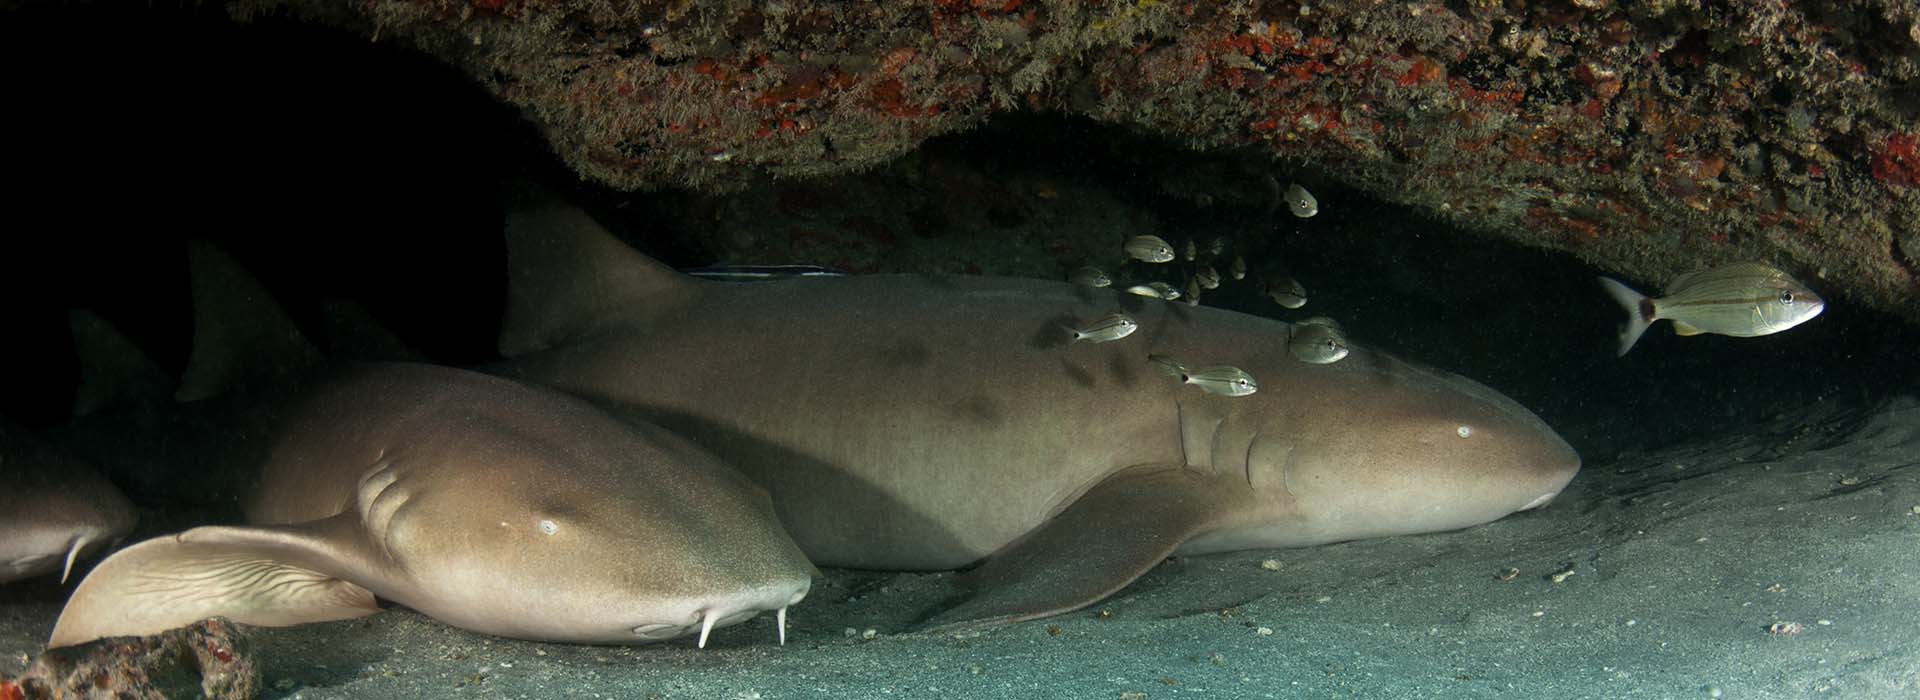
(1682, 559)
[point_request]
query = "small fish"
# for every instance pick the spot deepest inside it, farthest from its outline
(1149, 248)
(1317, 340)
(1741, 300)
(1209, 278)
(1222, 380)
(1239, 268)
(1301, 202)
(1193, 291)
(1145, 291)
(1105, 329)
(1193, 251)
(1090, 277)
(1166, 291)
(1218, 247)
(1287, 292)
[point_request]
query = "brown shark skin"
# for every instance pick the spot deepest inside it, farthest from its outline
(483, 503)
(921, 423)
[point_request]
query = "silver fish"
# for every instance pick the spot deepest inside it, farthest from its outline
(1317, 340)
(1105, 329)
(1209, 278)
(1218, 247)
(1145, 291)
(1239, 268)
(1166, 291)
(1221, 381)
(1149, 248)
(1193, 251)
(1301, 202)
(1090, 277)
(1741, 300)
(1193, 291)
(1287, 292)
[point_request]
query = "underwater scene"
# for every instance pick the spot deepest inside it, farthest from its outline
(960, 349)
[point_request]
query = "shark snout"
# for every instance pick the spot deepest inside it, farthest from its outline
(1557, 465)
(720, 610)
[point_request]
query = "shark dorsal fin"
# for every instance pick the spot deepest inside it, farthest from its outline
(113, 370)
(567, 275)
(239, 334)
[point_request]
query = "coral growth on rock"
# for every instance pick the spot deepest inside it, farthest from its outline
(208, 659)
(1651, 137)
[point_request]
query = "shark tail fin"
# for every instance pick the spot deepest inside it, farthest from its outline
(1640, 312)
(566, 274)
(113, 370)
(255, 576)
(239, 334)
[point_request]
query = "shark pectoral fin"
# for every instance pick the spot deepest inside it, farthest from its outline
(258, 576)
(1684, 329)
(1119, 530)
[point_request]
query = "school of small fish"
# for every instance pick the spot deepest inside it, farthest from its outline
(1741, 299)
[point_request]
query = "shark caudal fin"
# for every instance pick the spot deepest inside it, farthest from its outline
(1640, 312)
(566, 274)
(240, 335)
(271, 577)
(113, 370)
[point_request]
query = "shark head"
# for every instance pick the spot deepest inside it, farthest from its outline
(519, 546)
(1403, 449)
(56, 509)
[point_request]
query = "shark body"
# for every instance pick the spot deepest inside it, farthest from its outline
(926, 422)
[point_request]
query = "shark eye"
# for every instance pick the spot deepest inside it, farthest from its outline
(1464, 431)
(548, 527)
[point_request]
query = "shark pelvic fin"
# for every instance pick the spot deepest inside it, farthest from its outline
(1118, 530)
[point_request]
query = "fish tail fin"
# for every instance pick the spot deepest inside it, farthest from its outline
(1073, 334)
(567, 274)
(1640, 312)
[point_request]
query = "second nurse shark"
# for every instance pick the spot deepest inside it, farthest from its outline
(917, 422)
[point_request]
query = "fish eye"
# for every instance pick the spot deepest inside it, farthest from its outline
(1464, 431)
(548, 527)
(1786, 297)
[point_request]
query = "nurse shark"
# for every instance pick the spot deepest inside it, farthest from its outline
(923, 422)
